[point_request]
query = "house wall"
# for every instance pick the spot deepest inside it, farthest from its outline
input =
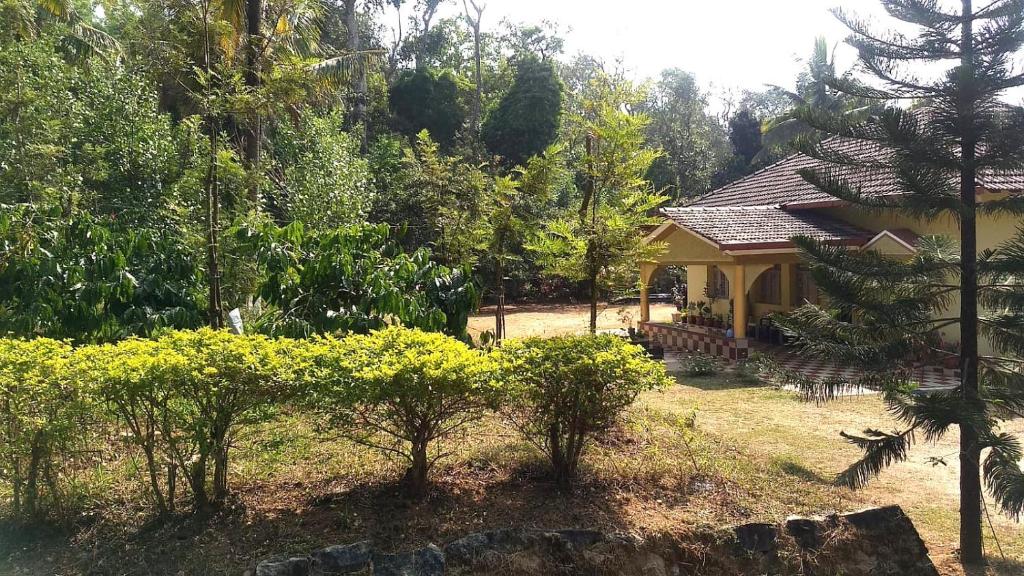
(992, 231)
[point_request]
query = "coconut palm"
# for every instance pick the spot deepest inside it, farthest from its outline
(813, 92)
(25, 18)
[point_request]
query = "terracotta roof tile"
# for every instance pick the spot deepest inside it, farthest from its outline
(780, 185)
(763, 227)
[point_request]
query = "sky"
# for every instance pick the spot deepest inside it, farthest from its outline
(727, 44)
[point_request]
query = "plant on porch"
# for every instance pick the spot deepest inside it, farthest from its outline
(936, 155)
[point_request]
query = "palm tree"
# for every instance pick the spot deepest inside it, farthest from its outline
(814, 92)
(24, 19)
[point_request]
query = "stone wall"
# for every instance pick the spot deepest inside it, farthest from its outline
(873, 542)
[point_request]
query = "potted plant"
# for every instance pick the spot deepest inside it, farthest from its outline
(691, 313)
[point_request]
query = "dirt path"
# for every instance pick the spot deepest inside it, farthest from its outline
(552, 319)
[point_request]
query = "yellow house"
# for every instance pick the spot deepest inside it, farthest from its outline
(735, 244)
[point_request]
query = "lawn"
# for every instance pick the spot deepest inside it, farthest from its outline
(706, 451)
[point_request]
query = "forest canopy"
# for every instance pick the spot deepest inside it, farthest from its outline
(163, 162)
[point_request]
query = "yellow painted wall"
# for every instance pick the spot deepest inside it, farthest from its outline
(992, 231)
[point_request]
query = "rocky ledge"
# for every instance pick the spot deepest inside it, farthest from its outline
(873, 542)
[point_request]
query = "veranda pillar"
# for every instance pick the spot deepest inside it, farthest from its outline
(646, 273)
(739, 301)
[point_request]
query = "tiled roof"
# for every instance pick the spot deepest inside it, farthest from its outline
(780, 185)
(763, 227)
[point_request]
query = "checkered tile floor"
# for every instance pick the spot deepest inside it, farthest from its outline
(928, 378)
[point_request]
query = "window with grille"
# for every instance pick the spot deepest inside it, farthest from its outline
(806, 290)
(769, 288)
(718, 283)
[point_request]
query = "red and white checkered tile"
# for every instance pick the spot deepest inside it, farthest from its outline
(928, 378)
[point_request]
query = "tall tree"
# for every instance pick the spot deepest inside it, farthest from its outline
(428, 100)
(813, 90)
(935, 156)
(694, 142)
(525, 122)
(599, 240)
(474, 19)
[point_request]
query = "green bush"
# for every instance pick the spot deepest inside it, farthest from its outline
(43, 424)
(184, 396)
(400, 391)
(698, 364)
(564, 391)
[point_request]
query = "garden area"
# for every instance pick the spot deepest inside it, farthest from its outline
(714, 449)
(284, 274)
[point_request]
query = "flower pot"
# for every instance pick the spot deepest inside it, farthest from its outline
(677, 318)
(951, 362)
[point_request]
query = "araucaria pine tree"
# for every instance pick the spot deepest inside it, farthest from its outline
(939, 152)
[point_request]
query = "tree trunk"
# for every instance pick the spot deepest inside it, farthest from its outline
(499, 311)
(416, 476)
(32, 480)
(211, 190)
(354, 46)
(594, 294)
(197, 482)
(214, 307)
(971, 544)
(559, 462)
(254, 132)
(154, 480)
(220, 474)
(474, 23)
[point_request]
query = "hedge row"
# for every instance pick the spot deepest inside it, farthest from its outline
(180, 400)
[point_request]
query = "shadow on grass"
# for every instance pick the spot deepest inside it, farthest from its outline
(720, 381)
(798, 470)
(997, 567)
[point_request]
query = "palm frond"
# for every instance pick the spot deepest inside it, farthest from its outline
(339, 70)
(881, 450)
(1003, 475)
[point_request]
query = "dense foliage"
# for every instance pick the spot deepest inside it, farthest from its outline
(565, 391)
(525, 121)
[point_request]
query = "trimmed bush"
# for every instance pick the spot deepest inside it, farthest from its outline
(564, 391)
(183, 397)
(400, 391)
(43, 423)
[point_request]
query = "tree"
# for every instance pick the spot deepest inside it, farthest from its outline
(474, 24)
(526, 119)
(353, 279)
(695, 144)
(745, 135)
(813, 90)
(599, 242)
(512, 218)
(935, 156)
(428, 100)
(321, 177)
